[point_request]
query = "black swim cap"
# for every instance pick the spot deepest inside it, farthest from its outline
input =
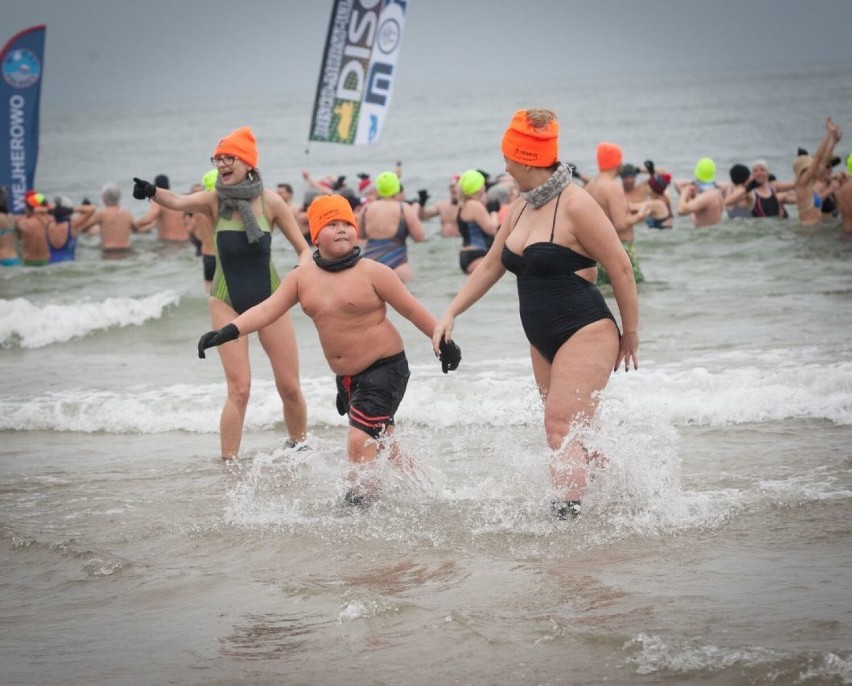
(739, 174)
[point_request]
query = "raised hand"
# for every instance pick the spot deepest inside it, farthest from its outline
(143, 189)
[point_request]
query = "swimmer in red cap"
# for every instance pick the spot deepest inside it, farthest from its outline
(33, 228)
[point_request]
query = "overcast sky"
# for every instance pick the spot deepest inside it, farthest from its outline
(115, 50)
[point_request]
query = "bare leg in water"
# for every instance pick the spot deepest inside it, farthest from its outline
(570, 388)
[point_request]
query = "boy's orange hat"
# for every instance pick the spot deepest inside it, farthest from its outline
(527, 145)
(609, 156)
(326, 209)
(240, 143)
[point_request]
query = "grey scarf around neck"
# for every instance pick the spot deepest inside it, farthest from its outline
(238, 197)
(557, 183)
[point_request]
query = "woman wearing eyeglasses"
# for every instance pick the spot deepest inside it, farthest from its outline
(244, 213)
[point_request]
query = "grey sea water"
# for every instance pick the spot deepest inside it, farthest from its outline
(715, 546)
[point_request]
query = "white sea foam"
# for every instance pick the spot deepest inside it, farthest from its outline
(740, 395)
(473, 397)
(657, 655)
(29, 325)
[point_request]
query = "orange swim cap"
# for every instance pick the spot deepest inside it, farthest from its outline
(240, 143)
(525, 144)
(326, 209)
(609, 156)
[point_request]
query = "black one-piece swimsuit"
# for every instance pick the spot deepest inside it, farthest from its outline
(554, 302)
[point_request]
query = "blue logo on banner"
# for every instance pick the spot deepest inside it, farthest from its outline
(21, 68)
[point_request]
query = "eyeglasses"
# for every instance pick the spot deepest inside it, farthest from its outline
(227, 160)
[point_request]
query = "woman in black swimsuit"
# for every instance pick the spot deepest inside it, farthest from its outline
(552, 237)
(764, 192)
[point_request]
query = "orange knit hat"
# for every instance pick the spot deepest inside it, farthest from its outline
(326, 209)
(240, 143)
(525, 144)
(609, 156)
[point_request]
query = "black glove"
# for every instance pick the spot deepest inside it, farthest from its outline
(422, 197)
(143, 189)
(493, 206)
(211, 338)
(450, 356)
(649, 165)
(751, 185)
(341, 180)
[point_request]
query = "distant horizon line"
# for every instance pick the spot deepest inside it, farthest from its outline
(402, 86)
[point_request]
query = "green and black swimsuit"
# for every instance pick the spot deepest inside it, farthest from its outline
(245, 275)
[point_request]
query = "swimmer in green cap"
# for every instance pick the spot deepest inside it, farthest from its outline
(701, 199)
(387, 223)
(478, 224)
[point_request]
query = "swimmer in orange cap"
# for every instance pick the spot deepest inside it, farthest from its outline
(346, 297)
(552, 239)
(608, 191)
(243, 215)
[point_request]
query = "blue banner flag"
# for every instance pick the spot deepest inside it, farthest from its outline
(21, 63)
(358, 69)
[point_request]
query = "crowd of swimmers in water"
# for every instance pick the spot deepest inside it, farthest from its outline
(555, 252)
(472, 210)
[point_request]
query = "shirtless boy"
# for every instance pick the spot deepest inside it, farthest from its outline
(347, 298)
